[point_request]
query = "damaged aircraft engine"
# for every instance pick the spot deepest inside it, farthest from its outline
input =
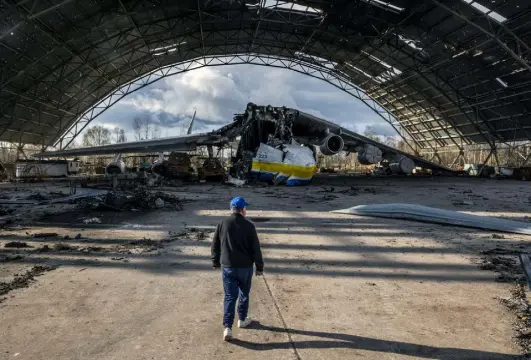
(116, 166)
(332, 144)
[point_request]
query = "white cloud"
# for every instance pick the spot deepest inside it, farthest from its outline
(217, 93)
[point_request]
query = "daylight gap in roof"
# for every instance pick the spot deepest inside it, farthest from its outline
(389, 73)
(362, 72)
(410, 42)
(168, 48)
(291, 6)
(485, 10)
(503, 83)
(384, 5)
(320, 60)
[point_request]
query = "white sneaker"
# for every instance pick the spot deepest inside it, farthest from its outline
(245, 323)
(227, 334)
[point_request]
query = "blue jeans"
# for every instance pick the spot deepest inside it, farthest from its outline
(237, 284)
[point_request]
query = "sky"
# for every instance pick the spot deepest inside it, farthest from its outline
(217, 93)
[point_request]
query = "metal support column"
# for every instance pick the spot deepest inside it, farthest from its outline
(480, 171)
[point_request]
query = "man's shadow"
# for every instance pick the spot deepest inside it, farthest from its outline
(346, 341)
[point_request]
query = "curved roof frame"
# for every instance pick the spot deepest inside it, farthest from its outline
(450, 73)
(302, 67)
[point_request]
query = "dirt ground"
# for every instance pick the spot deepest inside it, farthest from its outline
(139, 285)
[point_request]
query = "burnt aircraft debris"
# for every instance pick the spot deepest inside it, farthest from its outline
(276, 144)
(138, 199)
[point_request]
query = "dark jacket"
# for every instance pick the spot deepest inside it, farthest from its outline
(236, 243)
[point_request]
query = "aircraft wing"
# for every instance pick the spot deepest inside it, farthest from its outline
(177, 143)
(353, 139)
(308, 126)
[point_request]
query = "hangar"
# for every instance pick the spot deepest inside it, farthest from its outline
(123, 269)
(448, 73)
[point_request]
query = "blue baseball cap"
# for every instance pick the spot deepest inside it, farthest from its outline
(238, 203)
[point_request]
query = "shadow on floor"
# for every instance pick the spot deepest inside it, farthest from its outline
(346, 341)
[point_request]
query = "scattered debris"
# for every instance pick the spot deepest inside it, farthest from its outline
(179, 263)
(233, 181)
(138, 198)
(5, 221)
(352, 191)
(370, 190)
(44, 248)
(4, 211)
(63, 247)
(519, 305)
(17, 244)
(39, 197)
(159, 203)
(94, 248)
(504, 262)
(146, 242)
(44, 235)
(23, 280)
(507, 267)
(92, 220)
(330, 189)
(463, 202)
(199, 234)
(141, 199)
(500, 251)
(57, 193)
(175, 235)
(9, 257)
(327, 197)
(259, 219)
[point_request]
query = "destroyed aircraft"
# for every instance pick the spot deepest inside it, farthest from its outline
(276, 144)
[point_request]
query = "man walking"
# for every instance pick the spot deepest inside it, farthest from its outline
(236, 243)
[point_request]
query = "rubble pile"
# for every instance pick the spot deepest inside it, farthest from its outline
(23, 280)
(199, 234)
(350, 191)
(507, 268)
(139, 199)
(10, 257)
(40, 196)
(504, 261)
(17, 245)
(6, 211)
(519, 305)
(64, 247)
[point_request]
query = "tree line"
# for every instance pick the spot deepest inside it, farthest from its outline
(99, 135)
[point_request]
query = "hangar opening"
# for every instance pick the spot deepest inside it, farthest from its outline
(357, 264)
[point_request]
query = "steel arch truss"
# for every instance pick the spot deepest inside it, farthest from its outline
(447, 73)
(318, 71)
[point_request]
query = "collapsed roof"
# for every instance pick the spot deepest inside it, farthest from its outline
(447, 72)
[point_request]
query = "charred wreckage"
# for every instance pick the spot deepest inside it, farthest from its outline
(276, 144)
